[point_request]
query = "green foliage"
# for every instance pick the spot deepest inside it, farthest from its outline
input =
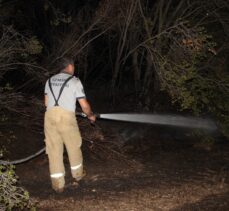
(194, 82)
(12, 196)
(59, 17)
(64, 19)
(7, 87)
(33, 46)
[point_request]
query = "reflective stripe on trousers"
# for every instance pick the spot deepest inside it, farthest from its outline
(57, 175)
(76, 167)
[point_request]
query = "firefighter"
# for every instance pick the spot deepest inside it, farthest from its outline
(61, 129)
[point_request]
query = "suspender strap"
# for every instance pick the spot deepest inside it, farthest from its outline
(50, 87)
(61, 89)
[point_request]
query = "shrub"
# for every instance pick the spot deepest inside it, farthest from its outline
(11, 195)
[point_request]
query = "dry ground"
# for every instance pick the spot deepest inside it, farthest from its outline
(162, 171)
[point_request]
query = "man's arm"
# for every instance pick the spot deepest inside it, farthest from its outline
(46, 100)
(86, 108)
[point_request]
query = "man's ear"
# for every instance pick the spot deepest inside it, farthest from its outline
(70, 68)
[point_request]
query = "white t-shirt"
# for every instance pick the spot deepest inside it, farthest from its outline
(72, 91)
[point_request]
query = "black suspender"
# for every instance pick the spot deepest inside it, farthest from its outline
(61, 89)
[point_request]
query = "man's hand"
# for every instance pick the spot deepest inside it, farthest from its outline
(87, 109)
(92, 118)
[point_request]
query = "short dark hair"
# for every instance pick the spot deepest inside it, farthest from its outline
(64, 62)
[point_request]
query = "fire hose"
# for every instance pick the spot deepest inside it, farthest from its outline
(159, 119)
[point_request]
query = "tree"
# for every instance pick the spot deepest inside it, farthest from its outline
(169, 45)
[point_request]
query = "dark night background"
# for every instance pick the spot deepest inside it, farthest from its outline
(140, 56)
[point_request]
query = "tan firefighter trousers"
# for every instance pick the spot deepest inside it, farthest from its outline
(61, 129)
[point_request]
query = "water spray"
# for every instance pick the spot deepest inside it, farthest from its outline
(156, 119)
(159, 119)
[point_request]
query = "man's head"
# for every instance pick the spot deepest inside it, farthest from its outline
(67, 65)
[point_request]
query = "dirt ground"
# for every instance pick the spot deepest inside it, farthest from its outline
(157, 169)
